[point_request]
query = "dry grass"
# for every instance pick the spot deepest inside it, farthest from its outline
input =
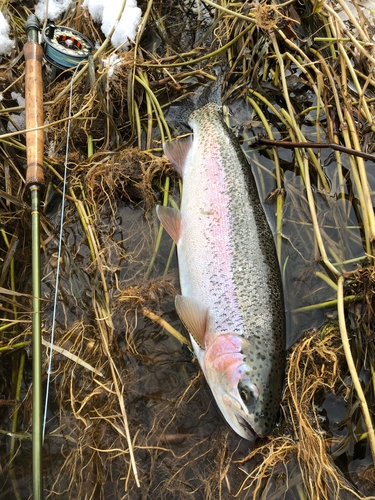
(132, 174)
(145, 413)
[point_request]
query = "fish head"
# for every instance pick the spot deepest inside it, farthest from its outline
(247, 386)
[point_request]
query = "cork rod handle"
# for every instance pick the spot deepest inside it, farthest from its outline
(33, 53)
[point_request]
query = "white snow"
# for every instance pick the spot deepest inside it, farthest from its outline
(107, 11)
(51, 149)
(19, 120)
(55, 9)
(6, 44)
(113, 63)
(18, 97)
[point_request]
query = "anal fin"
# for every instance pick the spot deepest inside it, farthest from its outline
(194, 317)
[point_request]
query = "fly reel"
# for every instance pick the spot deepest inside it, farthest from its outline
(64, 47)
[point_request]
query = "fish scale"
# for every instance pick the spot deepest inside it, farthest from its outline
(232, 302)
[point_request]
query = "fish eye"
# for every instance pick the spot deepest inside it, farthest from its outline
(248, 392)
(245, 395)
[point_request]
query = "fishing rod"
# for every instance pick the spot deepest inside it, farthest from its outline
(63, 48)
(33, 53)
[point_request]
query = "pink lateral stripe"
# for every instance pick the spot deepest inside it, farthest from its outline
(221, 227)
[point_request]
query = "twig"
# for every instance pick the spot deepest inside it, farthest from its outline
(167, 326)
(319, 145)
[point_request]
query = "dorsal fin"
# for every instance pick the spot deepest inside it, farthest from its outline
(194, 317)
(170, 219)
(177, 152)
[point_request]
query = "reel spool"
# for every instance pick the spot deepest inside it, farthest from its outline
(64, 47)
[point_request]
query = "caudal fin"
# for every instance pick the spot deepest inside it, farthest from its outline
(179, 113)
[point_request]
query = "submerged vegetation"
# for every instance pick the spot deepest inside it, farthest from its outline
(129, 414)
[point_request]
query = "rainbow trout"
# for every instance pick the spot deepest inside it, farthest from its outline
(232, 301)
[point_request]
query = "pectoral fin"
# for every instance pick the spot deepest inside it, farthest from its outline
(177, 152)
(194, 317)
(170, 219)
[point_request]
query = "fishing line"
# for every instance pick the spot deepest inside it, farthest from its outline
(59, 254)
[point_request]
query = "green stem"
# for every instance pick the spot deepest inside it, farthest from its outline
(14, 346)
(328, 280)
(169, 258)
(156, 104)
(280, 199)
(138, 124)
(314, 218)
(249, 18)
(17, 398)
(160, 232)
(352, 368)
(329, 303)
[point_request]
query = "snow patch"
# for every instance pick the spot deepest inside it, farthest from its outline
(55, 9)
(19, 119)
(106, 12)
(6, 44)
(51, 149)
(113, 63)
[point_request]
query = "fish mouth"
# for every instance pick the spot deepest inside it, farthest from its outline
(249, 433)
(240, 419)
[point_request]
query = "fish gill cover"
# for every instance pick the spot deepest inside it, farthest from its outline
(126, 402)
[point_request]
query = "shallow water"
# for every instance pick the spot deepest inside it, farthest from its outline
(183, 441)
(183, 447)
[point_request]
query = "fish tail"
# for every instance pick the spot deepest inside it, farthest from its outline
(211, 93)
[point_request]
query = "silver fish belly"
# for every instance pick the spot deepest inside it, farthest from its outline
(232, 302)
